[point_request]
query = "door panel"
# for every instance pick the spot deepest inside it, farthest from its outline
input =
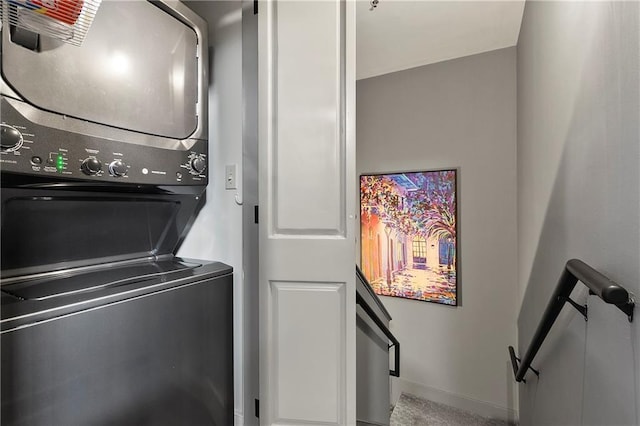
(308, 351)
(307, 212)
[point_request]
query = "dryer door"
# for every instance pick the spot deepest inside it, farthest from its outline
(136, 70)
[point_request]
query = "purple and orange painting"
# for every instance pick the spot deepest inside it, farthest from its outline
(408, 224)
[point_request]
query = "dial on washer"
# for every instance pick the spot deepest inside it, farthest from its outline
(118, 168)
(10, 138)
(198, 164)
(91, 166)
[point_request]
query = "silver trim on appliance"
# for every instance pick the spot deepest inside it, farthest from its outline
(199, 25)
(180, 283)
(116, 283)
(80, 269)
(74, 125)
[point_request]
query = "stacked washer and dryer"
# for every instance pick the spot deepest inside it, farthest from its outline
(103, 168)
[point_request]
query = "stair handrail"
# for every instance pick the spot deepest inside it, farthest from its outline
(395, 343)
(575, 270)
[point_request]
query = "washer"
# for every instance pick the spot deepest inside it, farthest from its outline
(146, 343)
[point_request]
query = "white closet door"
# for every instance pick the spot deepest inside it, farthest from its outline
(307, 212)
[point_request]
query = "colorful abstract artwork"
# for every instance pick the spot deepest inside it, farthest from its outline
(409, 239)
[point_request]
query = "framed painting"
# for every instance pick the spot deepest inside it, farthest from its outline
(409, 238)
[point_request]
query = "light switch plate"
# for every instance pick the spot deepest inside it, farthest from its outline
(230, 171)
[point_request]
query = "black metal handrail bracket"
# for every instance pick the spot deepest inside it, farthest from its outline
(394, 342)
(575, 270)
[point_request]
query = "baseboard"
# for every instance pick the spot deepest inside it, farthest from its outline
(482, 408)
(238, 419)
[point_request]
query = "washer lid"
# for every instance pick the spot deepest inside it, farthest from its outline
(136, 70)
(59, 232)
(112, 275)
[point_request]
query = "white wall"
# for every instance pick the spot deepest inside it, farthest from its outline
(217, 232)
(579, 197)
(459, 113)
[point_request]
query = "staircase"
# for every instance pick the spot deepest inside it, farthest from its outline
(373, 343)
(411, 410)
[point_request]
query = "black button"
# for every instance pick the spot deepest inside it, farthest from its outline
(36, 160)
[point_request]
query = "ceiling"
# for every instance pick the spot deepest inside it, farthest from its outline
(398, 34)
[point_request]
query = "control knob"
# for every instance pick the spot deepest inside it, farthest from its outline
(10, 138)
(198, 164)
(118, 168)
(91, 166)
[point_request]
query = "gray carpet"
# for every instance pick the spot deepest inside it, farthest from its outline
(413, 411)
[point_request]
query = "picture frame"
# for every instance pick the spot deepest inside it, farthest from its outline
(409, 244)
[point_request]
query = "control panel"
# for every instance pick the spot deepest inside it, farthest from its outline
(29, 148)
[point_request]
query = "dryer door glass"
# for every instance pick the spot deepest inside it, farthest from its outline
(136, 70)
